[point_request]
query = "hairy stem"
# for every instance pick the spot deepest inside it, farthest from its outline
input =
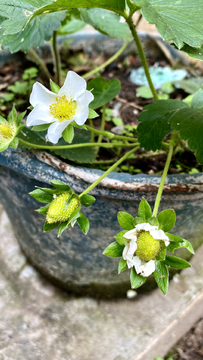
(109, 170)
(56, 56)
(142, 56)
(110, 135)
(40, 63)
(159, 194)
(108, 62)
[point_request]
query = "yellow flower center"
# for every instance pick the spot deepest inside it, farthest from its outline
(63, 109)
(147, 247)
(6, 131)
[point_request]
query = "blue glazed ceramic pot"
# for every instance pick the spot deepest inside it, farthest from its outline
(75, 260)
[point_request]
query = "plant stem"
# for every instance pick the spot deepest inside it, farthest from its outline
(142, 56)
(40, 63)
(166, 167)
(106, 63)
(74, 146)
(93, 129)
(110, 135)
(109, 170)
(56, 58)
(102, 127)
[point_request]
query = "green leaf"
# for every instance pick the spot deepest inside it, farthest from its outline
(43, 210)
(92, 114)
(34, 34)
(49, 227)
(60, 185)
(154, 122)
(84, 223)
(194, 52)
(107, 23)
(167, 219)
(125, 220)
(120, 238)
(190, 124)
(68, 133)
(191, 85)
(161, 276)
(197, 100)
(122, 265)
(167, 87)
(71, 23)
(87, 200)
(176, 262)
(78, 155)
(114, 250)
(180, 244)
(41, 196)
(145, 92)
(136, 280)
(144, 210)
(54, 87)
(178, 21)
(103, 91)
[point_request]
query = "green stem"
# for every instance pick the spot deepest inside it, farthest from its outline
(102, 127)
(40, 63)
(166, 167)
(74, 146)
(92, 131)
(142, 56)
(109, 170)
(56, 58)
(110, 135)
(106, 63)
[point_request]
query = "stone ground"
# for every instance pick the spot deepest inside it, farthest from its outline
(40, 322)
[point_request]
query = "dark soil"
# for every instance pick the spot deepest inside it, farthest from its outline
(129, 106)
(190, 346)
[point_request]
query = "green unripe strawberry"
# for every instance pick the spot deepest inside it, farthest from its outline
(147, 247)
(57, 211)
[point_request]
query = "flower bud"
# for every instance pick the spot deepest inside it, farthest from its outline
(57, 211)
(147, 247)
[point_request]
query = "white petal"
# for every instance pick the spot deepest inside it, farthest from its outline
(73, 86)
(41, 95)
(137, 262)
(55, 131)
(148, 268)
(81, 116)
(159, 235)
(39, 115)
(129, 250)
(146, 227)
(85, 99)
(131, 234)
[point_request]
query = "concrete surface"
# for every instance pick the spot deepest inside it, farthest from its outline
(40, 322)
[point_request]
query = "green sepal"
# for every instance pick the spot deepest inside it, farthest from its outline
(12, 116)
(83, 223)
(180, 244)
(3, 121)
(138, 220)
(153, 221)
(120, 239)
(48, 190)
(176, 262)
(20, 118)
(161, 276)
(41, 127)
(161, 255)
(63, 226)
(174, 237)
(92, 114)
(49, 227)
(68, 133)
(136, 280)
(19, 129)
(43, 210)
(54, 87)
(14, 143)
(125, 220)
(79, 126)
(69, 200)
(87, 200)
(114, 250)
(122, 265)
(144, 210)
(167, 219)
(41, 196)
(60, 185)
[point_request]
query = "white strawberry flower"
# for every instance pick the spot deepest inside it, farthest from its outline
(149, 234)
(70, 104)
